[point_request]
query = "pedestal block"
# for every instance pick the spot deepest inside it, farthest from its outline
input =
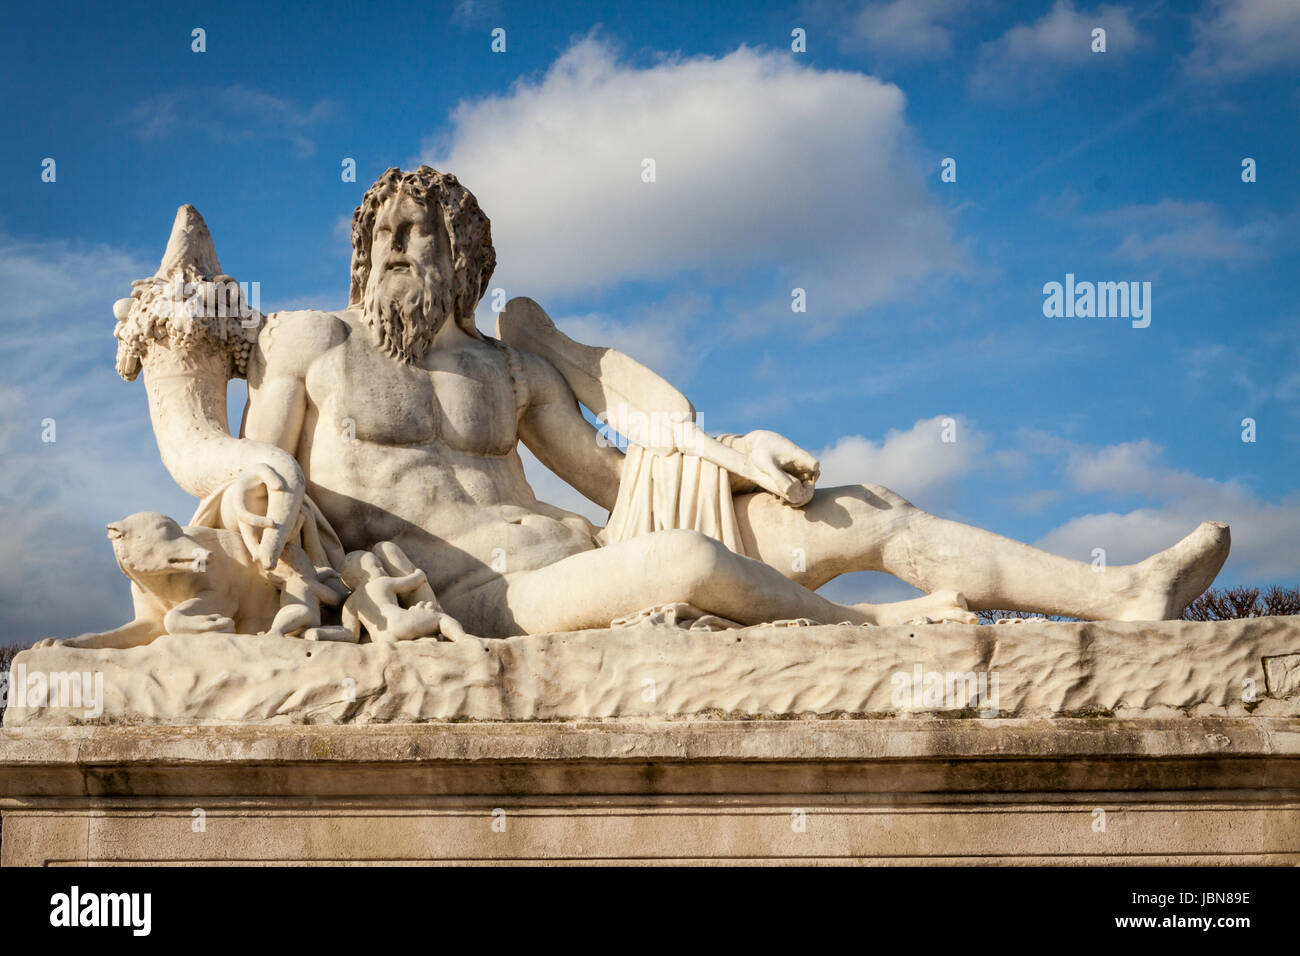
(1215, 790)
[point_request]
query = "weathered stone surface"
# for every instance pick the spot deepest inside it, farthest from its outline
(1048, 791)
(1030, 669)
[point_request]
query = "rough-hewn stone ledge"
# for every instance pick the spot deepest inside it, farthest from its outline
(1031, 669)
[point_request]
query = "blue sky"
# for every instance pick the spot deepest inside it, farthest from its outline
(774, 170)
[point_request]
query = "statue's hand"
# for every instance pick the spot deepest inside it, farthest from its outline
(267, 507)
(790, 472)
(444, 626)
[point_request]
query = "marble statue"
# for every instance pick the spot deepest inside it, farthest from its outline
(380, 445)
(367, 548)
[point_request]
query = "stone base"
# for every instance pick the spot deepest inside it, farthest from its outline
(896, 791)
(1030, 669)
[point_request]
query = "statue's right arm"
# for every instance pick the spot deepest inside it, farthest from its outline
(277, 401)
(263, 483)
(189, 330)
(273, 420)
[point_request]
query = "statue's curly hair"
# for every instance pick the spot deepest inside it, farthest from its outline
(468, 229)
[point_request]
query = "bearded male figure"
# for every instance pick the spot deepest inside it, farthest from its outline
(397, 420)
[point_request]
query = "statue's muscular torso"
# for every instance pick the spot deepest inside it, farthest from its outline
(425, 456)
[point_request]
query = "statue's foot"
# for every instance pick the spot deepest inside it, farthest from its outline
(1169, 581)
(417, 622)
(939, 606)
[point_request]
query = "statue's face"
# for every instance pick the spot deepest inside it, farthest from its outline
(410, 254)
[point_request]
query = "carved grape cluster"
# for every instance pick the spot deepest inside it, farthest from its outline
(176, 314)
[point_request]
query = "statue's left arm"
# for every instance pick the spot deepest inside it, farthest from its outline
(639, 404)
(554, 429)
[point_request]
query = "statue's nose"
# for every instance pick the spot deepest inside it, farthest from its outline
(114, 531)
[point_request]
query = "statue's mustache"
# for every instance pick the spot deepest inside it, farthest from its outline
(402, 265)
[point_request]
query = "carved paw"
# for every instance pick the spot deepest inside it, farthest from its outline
(336, 634)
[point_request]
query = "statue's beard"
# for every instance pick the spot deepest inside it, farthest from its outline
(404, 316)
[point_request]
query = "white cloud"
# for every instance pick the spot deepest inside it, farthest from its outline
(470, 12)
(672, 336)
(230, 114)
(1236, 38)
(1264, 533)
(1249, 372)
(807, 177)
(907, 28)
(1029, 58)
(1035, 502)
(658, 346)
(916, 463)
(1188, 233)
(40, 278)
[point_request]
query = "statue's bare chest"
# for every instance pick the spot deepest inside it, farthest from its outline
(464, 399)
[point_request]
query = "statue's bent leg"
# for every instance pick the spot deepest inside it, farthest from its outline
(869, 528)
(593, 588)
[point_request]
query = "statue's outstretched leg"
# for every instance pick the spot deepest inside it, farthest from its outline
(870, 528)
(595, 587)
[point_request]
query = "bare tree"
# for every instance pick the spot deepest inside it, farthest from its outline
(1216, 604)
(1233, 604)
